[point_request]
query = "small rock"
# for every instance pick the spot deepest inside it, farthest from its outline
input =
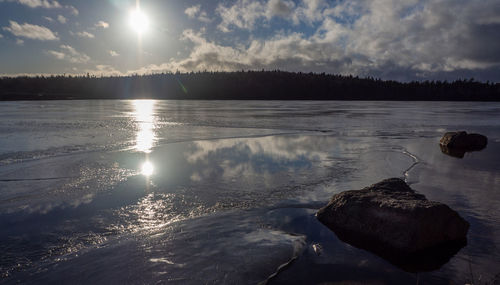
(318, 249)
(463, 141)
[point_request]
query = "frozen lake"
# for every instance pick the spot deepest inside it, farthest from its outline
(224, 192)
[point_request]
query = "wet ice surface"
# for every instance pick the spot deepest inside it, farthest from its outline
(233, 189)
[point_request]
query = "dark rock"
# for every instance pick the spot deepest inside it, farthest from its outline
(456, 144)
(463, 141)
(455, 152)
(391, 220)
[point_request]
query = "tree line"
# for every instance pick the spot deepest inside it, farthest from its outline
(243, 85)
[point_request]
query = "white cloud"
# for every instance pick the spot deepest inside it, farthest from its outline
(30, 31)
(113, 53)
(73, 55)
(85, 34)
(1, 36)
(40, 3)
(19, 42)
(72, 10)
(192, 11)
(196, 12)
(48, 19)
(102, 24)
(243, 14)
(203, 17)
(47, 4)
(105, 70)
(311, 11)
(56, 54)
(62, 19)
(289, 52)
(68, 53)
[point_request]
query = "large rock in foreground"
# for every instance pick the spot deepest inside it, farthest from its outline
(390, 219)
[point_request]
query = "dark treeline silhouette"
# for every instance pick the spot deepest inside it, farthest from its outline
(253, 85)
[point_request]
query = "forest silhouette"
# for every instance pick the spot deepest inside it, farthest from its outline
(242, 85)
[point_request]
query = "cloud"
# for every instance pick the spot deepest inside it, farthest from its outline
(19, 42)
(72, 10)
(407, 39)
(30, 31)
(62, 19)
(85, 34)
(47, 4)
(280, 8)
(284, 51)
(311, 11)
(195, 12)
(192, 11)
(427, 36)
(203, 17)
(113, 53)
(68, 53)
(105, 70)
(244, 14)
(56, 54)
(102, 24)
(40, 3)
(1, 36)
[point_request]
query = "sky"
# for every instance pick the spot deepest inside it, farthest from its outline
(389, 39)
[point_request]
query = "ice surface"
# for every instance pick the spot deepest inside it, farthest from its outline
(233, 189)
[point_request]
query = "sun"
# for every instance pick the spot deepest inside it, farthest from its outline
(138, 21)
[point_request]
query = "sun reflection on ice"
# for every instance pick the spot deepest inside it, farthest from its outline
(145, 119)
(147, 168)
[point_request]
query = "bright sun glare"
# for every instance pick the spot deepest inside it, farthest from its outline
(147, 168)
(138, 21)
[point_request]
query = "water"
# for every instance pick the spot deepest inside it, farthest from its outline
(95, 192)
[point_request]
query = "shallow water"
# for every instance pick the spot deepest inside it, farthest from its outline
(229, 189)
